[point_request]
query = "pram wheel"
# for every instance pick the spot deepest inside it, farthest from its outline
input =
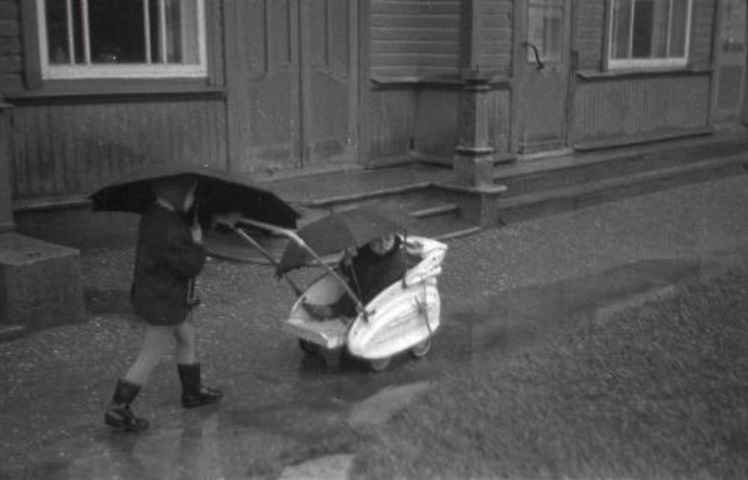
(380, 365)
(422, 349)
(308, 347)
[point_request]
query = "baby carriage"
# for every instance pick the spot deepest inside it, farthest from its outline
(403, 317)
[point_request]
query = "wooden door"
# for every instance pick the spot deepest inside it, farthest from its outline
(329, 81)
(292, 83)
(731, 60)
(543, 74)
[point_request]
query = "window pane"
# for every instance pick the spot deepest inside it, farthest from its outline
(621, 28)
(546, 32)
(59, 25)
(117, 31)
(184, 46)
(180, 40)
(649, 32)
(154, 14)
(57, 32)
(642, 32)
(678, 28)
(149, 38)
(79, 42)
(660, 22)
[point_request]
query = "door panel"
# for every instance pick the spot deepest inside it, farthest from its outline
(329, 81)
(263, 76)
(291, 82)
(545, 76)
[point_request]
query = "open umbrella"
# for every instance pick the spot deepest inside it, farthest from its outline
(218, 191)
(335, 233)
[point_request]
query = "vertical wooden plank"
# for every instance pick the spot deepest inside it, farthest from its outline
(71, 148)
(234, 117)
(353, 69)
(214, 26)
(32, 70)
(6, 186)
(519, 27)
(363, 51)
(629, 108)
(46, 166)
(306, 50)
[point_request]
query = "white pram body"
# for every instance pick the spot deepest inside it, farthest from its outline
(401, 318)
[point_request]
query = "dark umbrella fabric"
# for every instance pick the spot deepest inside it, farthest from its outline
(337, 232)
(218, 191)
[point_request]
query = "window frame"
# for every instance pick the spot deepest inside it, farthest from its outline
(663, 63)
(50, 72)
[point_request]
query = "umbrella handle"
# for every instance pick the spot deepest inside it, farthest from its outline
(291, 235)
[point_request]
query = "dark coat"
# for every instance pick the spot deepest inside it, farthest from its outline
(369, 274)
(166, 262)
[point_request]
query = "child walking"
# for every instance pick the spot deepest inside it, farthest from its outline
(168, 258)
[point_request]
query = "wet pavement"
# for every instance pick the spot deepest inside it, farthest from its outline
(507, 289)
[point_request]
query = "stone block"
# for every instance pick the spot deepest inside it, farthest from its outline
(473, 171)
(40, 283)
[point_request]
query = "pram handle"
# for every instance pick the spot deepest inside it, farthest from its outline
(248, 238)
(291, 235)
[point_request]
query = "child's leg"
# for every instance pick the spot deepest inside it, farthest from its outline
(194, 394)
(155, 346)
(185, 335)
(119, 415)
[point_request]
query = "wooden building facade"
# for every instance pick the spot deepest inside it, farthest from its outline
(286, 87)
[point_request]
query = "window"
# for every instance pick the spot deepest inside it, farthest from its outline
(546, 29)
(649, 33)
(122, 38)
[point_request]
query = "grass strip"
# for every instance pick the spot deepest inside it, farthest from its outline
(661, 391)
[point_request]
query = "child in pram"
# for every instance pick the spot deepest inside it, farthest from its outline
(368, 271)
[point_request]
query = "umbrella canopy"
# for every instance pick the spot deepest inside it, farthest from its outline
(337, 232)
(218, 191)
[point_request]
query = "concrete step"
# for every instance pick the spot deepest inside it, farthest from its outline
(445, 209)
(551, 174)
(558, 200)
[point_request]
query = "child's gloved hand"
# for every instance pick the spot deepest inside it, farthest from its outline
(197, 233)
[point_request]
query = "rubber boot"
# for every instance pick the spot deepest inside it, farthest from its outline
(119, 414)
(193, 392)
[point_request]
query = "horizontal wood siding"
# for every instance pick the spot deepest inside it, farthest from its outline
(590, 35)
(415, 37)
(640, 107)
(63, 150)
(11, 59)
(495, 27)
(702, 31)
